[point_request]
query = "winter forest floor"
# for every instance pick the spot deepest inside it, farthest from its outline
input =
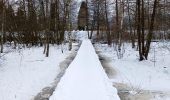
(91, 72)
(25, 72)
(135, 80)
(28, 75)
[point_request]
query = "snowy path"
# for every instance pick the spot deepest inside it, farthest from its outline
(85, 78)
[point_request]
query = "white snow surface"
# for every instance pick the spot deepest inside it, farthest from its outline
(26, 72)
(85, 78)
(152, 74)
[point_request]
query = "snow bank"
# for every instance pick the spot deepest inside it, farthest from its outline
(85, 78)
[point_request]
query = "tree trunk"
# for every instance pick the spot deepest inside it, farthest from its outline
(87, 19)
(3, 18)
(109, 41)
(143, 29)
(149, 36)
(139, 29)
(47, 30)
(98, 13)
(130, 26)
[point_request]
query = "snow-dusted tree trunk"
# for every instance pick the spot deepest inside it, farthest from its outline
(68, 8)
(119, 25)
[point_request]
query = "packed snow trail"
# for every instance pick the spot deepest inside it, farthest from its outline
(85, 78)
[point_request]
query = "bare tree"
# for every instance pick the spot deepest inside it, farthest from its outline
(109, 41)
(130, 25)
(3, 21)
(151, 27)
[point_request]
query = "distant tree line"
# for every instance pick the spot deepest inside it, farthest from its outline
(35, 22)
(44, 22)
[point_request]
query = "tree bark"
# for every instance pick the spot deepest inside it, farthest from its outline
(3, 18)
(130, 26)
(139, 29)
(109, 41)
(151, 28)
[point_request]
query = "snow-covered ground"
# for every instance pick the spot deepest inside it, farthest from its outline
(85, 78)
(152, 74)
(24, 72)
